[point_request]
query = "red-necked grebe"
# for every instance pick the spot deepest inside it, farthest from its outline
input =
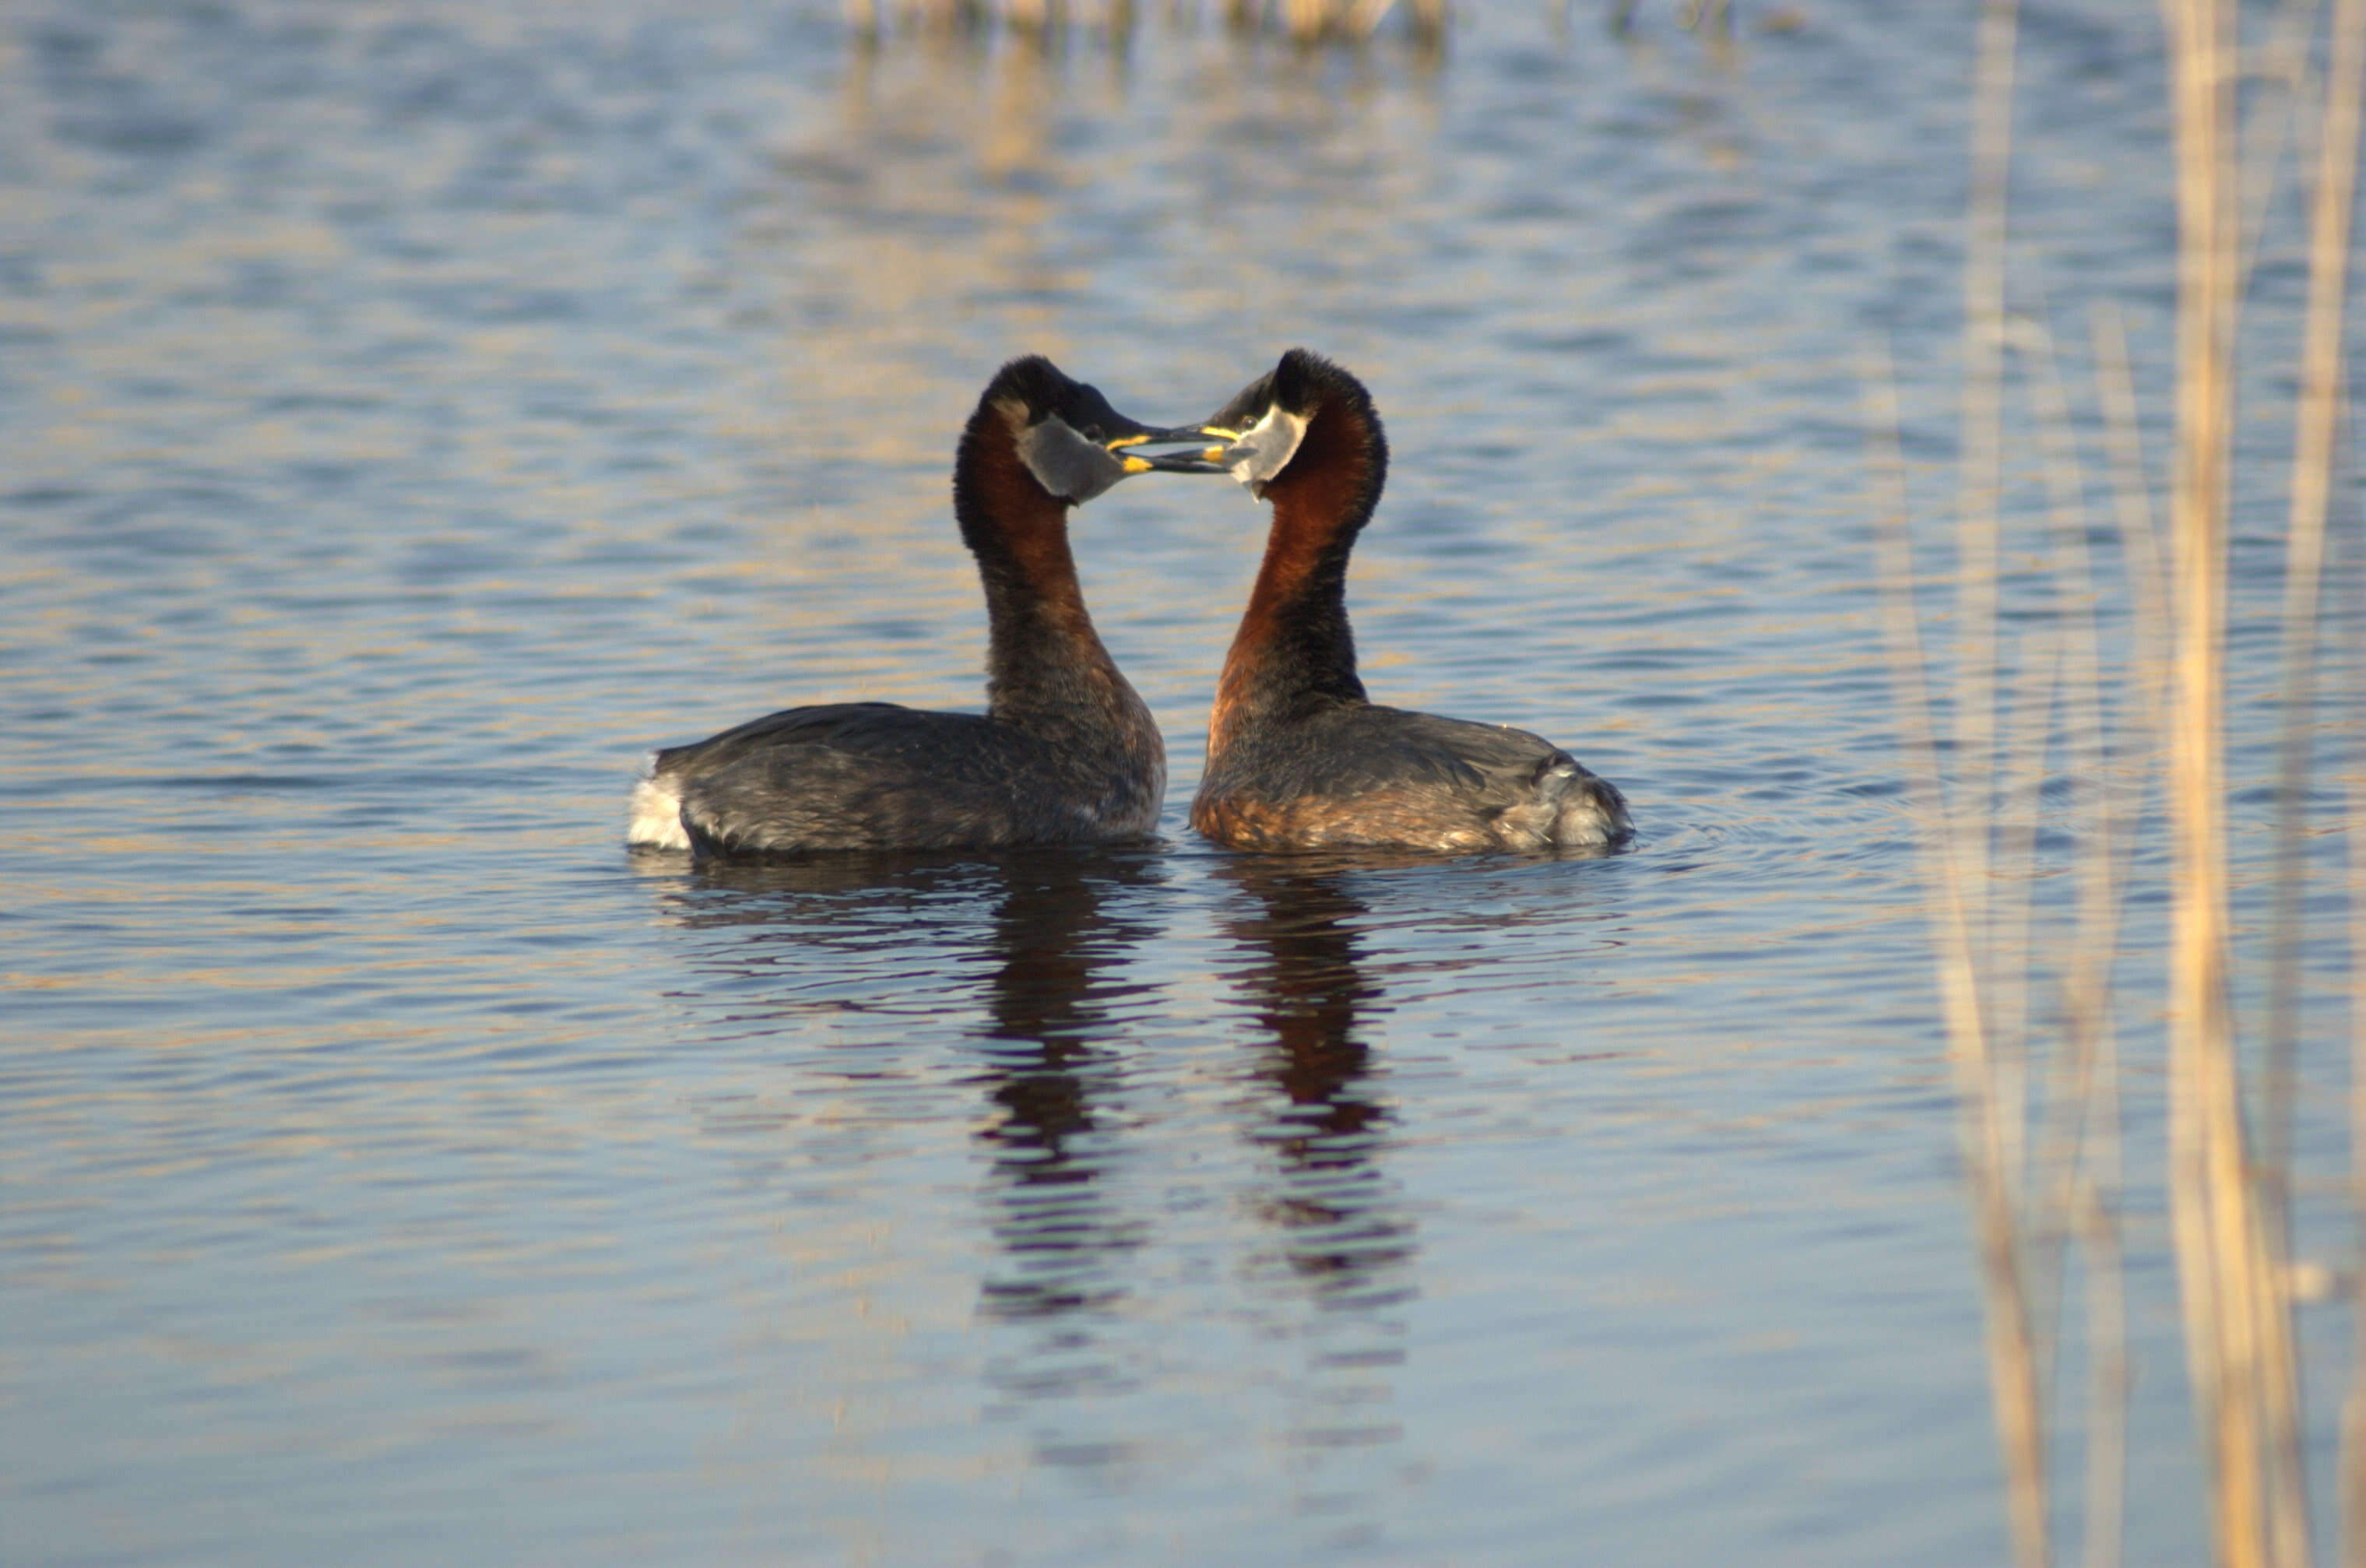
(1065, 752)
(1298, 758)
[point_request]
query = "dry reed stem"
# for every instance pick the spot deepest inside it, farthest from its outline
(2316, 420)
(2012, 875)
(2057, 1146)
(2199, 1026)
(2013, 1357)
(2316, 415)
(2352, 1483)
(2228, 1245)
(2237, 1328)
(2194, 975)
(1718, 13)
(1957, 825)
(1979, 456)
(2282, 61)
(2139, 531)
(2077, 1150)
(2070, 652)
(2079, 1153)
(2107, 1340)
(2316, 435)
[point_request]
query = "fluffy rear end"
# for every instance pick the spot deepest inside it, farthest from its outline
(655, 820)
(1584, 810)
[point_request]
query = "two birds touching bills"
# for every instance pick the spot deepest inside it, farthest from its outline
(1066, 752)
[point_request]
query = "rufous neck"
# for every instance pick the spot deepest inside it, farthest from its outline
(1294, 645)
(1040, 638)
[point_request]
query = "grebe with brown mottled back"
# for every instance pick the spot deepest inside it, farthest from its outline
(1065, 752)
(1298, 757)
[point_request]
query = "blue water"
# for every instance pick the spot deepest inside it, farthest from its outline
(410, 415)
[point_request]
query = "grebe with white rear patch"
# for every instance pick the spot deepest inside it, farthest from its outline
(1065, 752)
(1298, 757)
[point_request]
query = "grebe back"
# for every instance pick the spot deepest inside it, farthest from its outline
(1065, 752)
(1298, 757)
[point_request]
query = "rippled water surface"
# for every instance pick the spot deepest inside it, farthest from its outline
(410, 414)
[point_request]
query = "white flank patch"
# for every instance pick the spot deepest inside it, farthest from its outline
(656, 818)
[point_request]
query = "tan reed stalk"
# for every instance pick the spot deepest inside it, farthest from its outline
(2013, 1355)
(2195, 968)
(2049, 649)
(2056, 1147)
(2353, 1411)
(2315, 415)
(2097, 1232)
(1957, 825)
(1978, 851)
(1362, 18)
(2139, 532)
(2237, 1324)
(2283, 64)
(1979, 460)
(2078, 1154)
(2010, 826)
(2107, 1326)
(2317, 419)
(2027, 722)
(2198, 1025)
(2077, 1157)
(1718, 13)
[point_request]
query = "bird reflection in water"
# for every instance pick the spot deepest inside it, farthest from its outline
(1050, 1044)
(1038, 948)
(918, 923)
(1342, 1222)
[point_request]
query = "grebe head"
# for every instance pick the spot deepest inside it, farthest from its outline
(1069, 437)
(1267, 424)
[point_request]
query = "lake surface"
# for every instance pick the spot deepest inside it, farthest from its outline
(411, 414)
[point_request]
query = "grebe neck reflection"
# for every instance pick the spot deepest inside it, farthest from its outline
(1343, 1221)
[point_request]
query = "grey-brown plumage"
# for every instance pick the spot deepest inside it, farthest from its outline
(1298, 757)
(870, 775)
(1065, 752)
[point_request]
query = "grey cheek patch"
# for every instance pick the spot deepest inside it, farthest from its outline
(1267, 448)
(1065, 463)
